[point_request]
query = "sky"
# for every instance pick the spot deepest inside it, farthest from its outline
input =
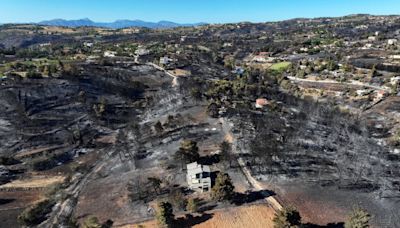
(189, 11)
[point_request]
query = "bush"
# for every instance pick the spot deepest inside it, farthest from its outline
(192, 205)
(36, 214)
(287, 217)
(359, 218)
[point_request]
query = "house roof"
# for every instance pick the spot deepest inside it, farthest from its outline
(194, 168)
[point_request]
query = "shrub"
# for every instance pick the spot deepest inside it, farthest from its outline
(287, 217)
(358, 218)
(36, 214)
(164, 214)
(192, 205)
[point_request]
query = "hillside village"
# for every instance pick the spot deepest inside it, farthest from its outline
(211, 122)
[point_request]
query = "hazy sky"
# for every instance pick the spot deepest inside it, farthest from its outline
(185, 11)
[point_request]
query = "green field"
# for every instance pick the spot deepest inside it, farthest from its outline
(280, 66)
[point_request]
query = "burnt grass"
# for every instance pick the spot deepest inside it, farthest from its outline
(305, 144)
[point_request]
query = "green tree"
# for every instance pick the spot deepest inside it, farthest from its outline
(36, 214)
(164, 214)
(288, 217)
(196, 94)
(223, 188)
(373, 72)
(358, 218)
(192, 205)
(188, 151)
(91, 222)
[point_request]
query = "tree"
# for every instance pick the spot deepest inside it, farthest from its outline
(91, 222)
(158, 127)
(223, 188)
(358, 218)
(164, 214)
(226, 152)
(177, 199)
(192, 205)
(155, 183)
(36, 214)
(188, 151)
(196, 94)
(212, 110)
(373, 72)
(286, 218)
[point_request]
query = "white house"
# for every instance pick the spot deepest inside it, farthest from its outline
(165, 60)
(392, 41)
(110, 53)
(198, 177)
(395, 80)
(88, 44)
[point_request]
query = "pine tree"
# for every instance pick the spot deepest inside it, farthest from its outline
(223, 188)
(286, 218)
(164, 214)
(358, 218)
(188, 151)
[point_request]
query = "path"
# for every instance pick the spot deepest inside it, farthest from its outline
(175, 78)
(256, 184)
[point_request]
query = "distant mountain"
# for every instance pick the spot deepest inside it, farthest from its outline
(116, 24)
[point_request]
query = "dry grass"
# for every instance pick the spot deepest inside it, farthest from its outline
(255, 216)
(34, 182)
(248, 216)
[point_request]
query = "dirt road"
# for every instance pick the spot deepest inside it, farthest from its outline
(352, 83)
(226, 127)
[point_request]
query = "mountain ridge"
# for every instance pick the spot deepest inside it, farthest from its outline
(117, 24)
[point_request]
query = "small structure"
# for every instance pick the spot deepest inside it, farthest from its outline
(110, 53)
(165, 60)
(395, 80)
(261, 102)
(392, 41)
(198, 177)
(381, 94)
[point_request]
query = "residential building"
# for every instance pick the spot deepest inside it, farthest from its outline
(261, 102)
(198, 177)
(110, 53)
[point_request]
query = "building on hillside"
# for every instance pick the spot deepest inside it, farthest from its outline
(198, 177)
(395, 80)
(392, 41)
(110, 53)
(165, 60)
(381, 94)
(261, 102)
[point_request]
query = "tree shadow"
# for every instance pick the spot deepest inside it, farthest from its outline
(209, 159)
(190, 220)
(250, 196)
(6, 201)
(329, 225)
